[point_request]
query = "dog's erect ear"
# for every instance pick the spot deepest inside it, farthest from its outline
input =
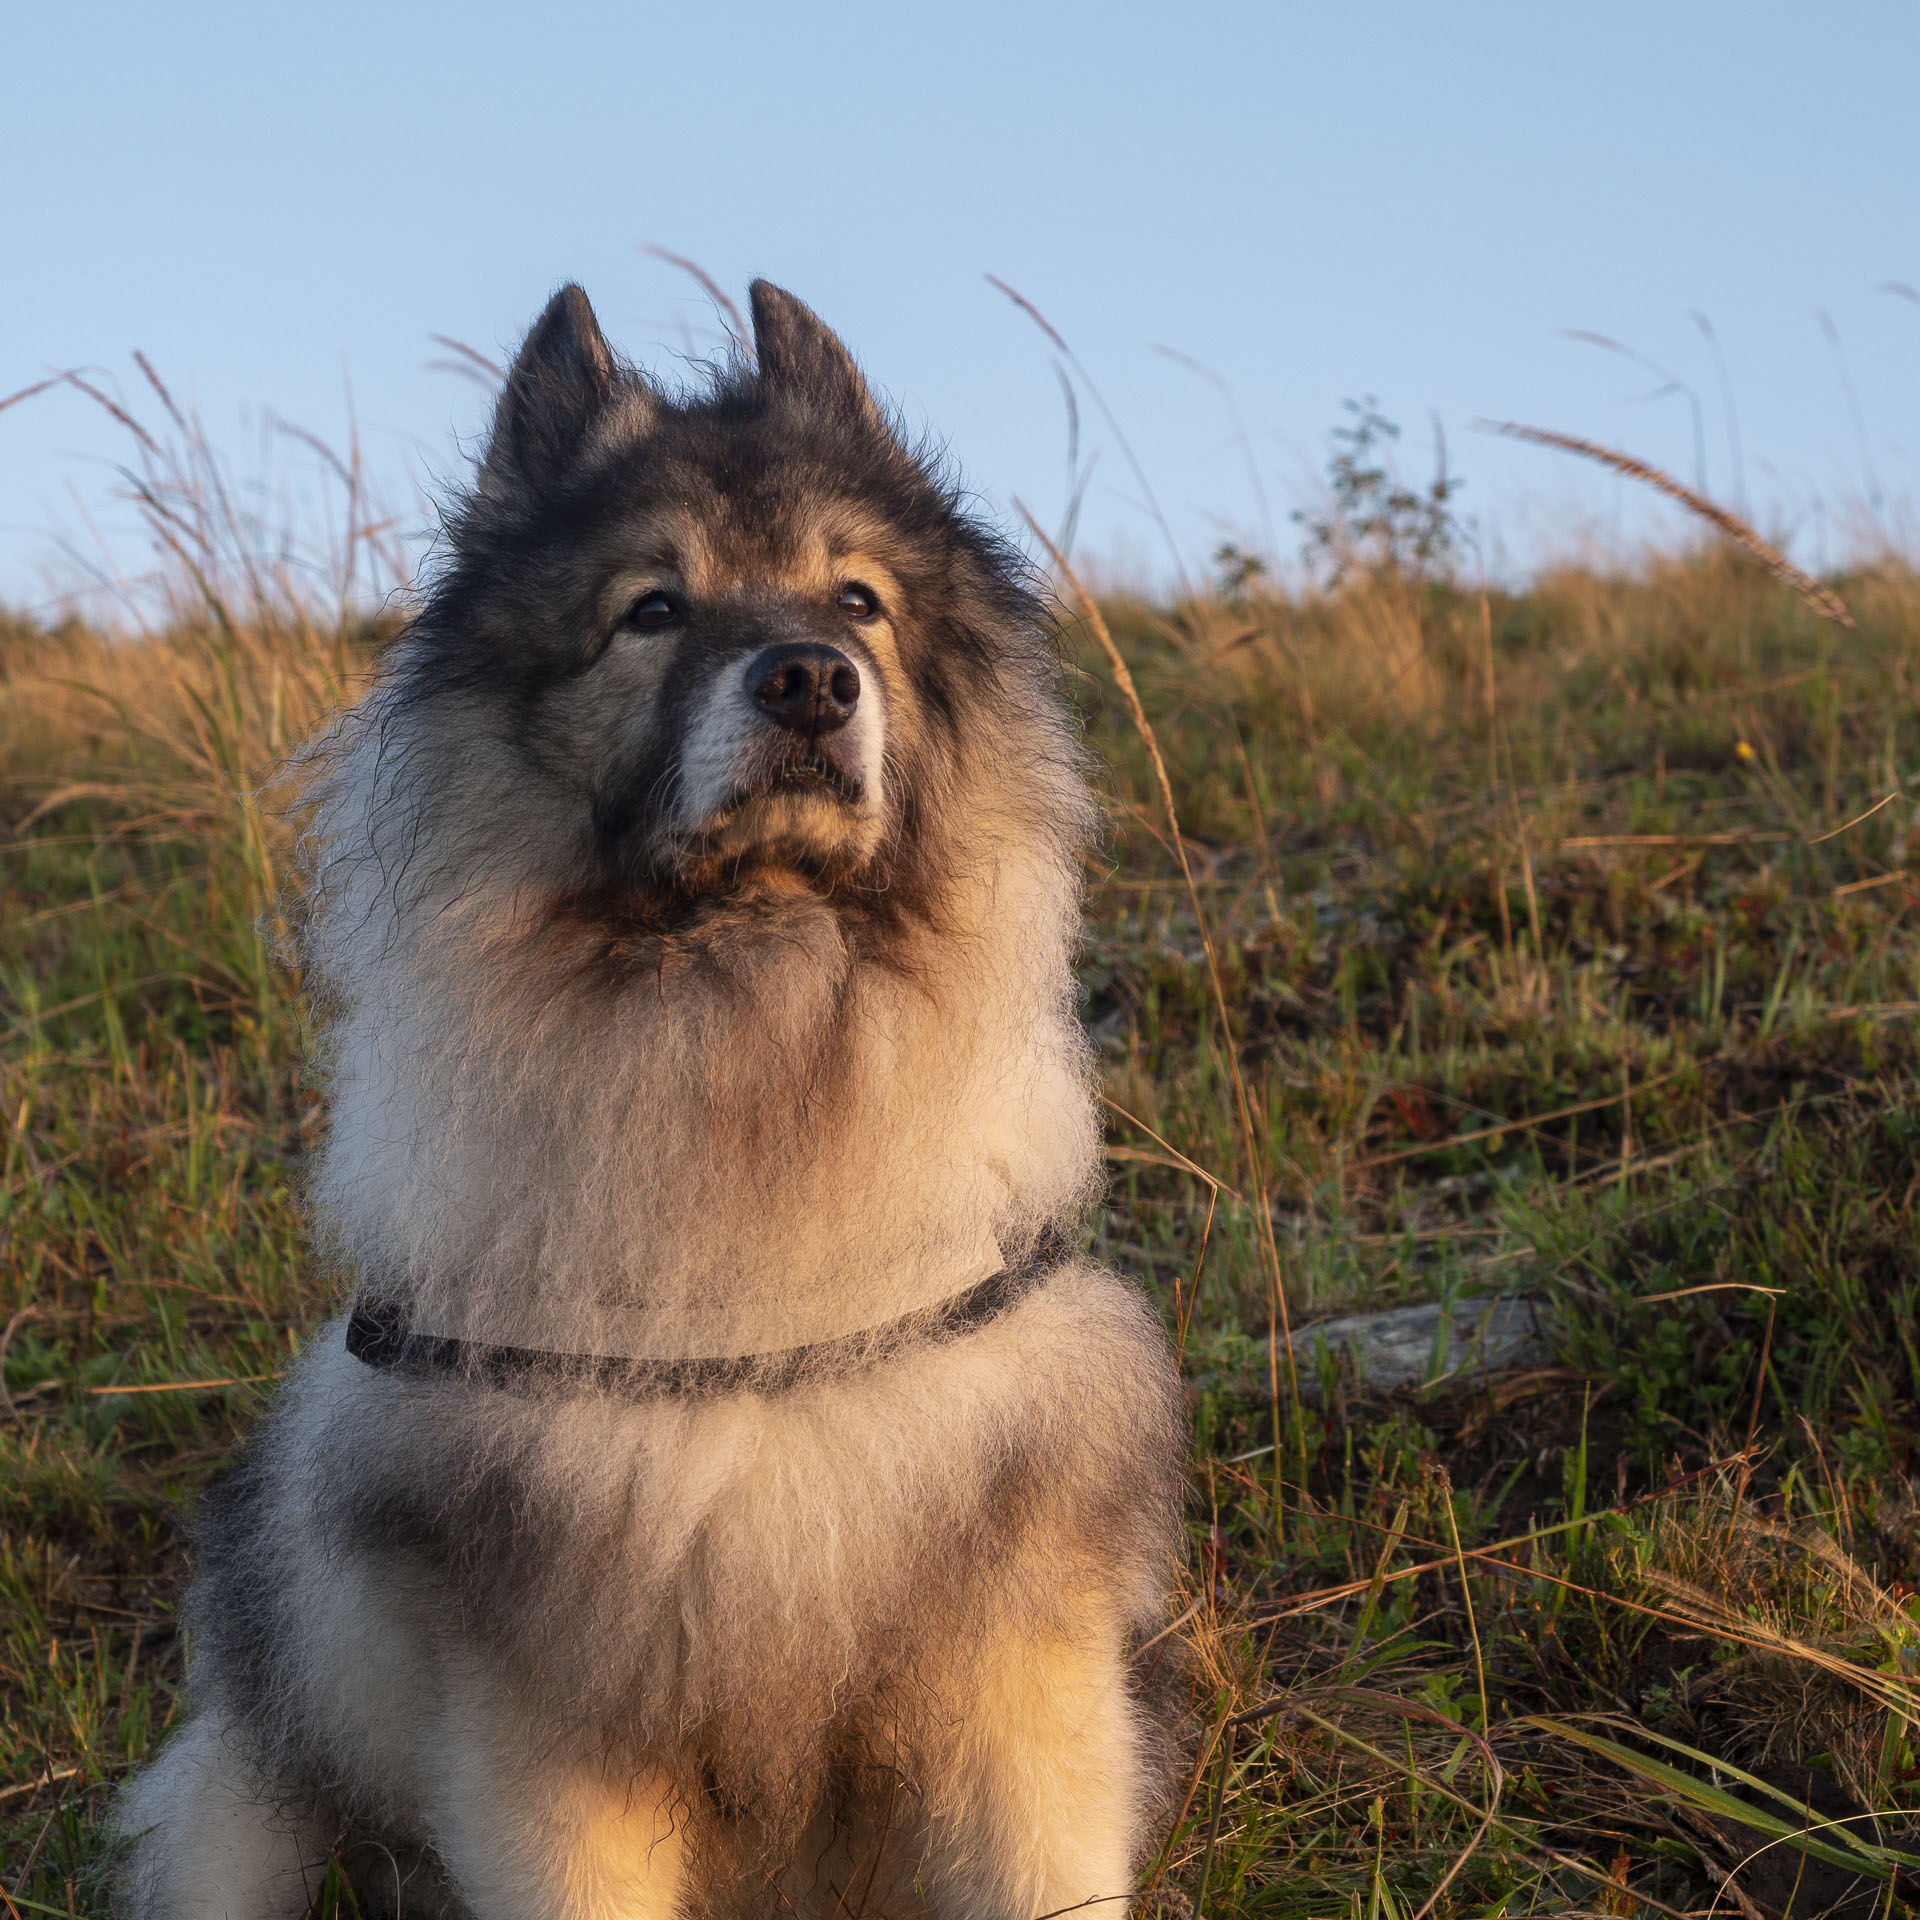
(562, 381)
(801, 356)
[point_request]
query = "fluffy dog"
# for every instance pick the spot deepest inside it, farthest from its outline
(730, 1491)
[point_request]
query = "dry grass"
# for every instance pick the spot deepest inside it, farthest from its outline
(1824, 602)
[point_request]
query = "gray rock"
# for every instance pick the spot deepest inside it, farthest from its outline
(1419, 1346)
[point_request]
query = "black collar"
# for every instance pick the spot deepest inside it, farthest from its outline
(378, 1335)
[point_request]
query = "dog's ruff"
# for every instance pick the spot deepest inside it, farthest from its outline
(690, 918)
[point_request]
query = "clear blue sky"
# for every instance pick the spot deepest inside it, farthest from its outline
(1316, 201)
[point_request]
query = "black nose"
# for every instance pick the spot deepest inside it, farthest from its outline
(809, 687)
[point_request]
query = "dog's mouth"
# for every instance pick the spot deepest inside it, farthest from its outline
(794, 806)
(805, 771)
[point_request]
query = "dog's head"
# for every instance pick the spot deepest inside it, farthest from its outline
(747, 638)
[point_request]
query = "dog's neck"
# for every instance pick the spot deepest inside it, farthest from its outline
(742, 1141)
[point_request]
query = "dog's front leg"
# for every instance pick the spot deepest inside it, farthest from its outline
(527, 1834)
(1034, 1808)
(210, 1837)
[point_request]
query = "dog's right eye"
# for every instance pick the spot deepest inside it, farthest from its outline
(651, 610)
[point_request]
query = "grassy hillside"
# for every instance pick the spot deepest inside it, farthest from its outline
(1565, 944)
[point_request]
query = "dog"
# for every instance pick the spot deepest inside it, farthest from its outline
(731, 1490)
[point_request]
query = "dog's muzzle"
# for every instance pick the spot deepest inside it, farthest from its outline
(807, 697)
(783, 754)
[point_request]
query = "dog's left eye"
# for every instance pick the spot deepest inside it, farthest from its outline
(858, 602)
(651, 610)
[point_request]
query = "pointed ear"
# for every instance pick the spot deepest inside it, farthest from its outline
(561, 383)
(801, 356)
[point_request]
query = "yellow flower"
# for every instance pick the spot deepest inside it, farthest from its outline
(1743, 750)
